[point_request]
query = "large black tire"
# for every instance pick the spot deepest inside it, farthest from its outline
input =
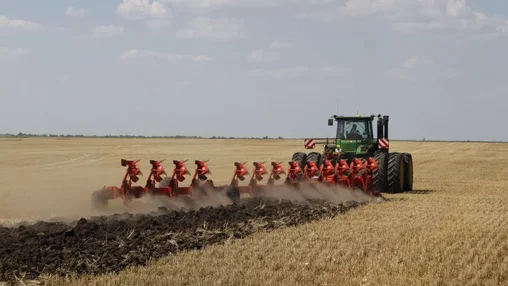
(408, 171)
(301, 158)
(233, 194)
(380, 174)
(395, 173)
(315, 157)
(100, 198)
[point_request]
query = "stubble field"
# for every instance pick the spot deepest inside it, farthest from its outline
(452, 230)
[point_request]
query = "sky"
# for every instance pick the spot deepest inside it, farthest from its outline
(273, 68)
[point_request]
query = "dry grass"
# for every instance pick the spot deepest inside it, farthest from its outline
(453, 232)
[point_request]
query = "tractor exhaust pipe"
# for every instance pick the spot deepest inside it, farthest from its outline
(385, 123)
(379, 127)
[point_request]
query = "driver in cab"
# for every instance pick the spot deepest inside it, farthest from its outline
(354, 134)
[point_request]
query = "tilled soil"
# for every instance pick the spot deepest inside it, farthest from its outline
(112, 243)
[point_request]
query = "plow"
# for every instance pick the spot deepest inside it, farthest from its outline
(354, 160)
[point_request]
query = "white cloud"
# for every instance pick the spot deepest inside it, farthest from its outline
(281, 44)
(152, 55)
(449, 16)
(101, 32)
(64, 77)
(75, 12)
(419, 69)
(408, 67)
(259, 56)
(156, 24)
(216, 29)
(137, 9)
(6, 22)
(287, 73)
(329, 15)
(13, 53)
(203, 4)
(503, 28)
(334, 70)
(357, 8)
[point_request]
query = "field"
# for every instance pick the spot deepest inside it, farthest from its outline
(452, 230)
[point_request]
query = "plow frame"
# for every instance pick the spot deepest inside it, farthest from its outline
(356, 175)
(168, 186)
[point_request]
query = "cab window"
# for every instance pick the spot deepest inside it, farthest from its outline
(353, 129)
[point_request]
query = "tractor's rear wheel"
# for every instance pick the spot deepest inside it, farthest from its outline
(315, 157)
(380, 174)
(408, 171)
(395, 173)
(300, 158)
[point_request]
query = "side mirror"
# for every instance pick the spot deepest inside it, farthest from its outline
(330, 122)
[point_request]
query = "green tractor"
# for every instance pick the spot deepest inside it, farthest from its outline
(355, 139)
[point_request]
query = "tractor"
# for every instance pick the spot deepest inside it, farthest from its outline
(356, 150)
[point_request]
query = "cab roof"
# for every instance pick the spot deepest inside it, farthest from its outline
(337, 117)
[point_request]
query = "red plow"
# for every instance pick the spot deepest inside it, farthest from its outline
(300, 174)
(357, 175)
(167, 186)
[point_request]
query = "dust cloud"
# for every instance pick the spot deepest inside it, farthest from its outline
(65, 208)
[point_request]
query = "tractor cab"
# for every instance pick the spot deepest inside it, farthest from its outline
(354, 137)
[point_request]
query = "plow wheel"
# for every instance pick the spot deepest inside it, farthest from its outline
(380, 174)
(100, 198)
(395, 173)
(408, 171)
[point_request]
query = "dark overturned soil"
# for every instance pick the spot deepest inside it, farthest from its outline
(112, 243)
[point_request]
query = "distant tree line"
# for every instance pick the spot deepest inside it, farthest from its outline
(27, 135)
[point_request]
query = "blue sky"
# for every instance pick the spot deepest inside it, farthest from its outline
(253, 67)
